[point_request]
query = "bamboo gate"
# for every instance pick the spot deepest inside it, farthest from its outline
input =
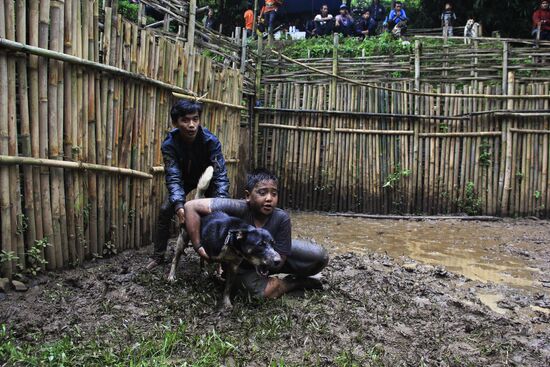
(447, 129)
(84, 106)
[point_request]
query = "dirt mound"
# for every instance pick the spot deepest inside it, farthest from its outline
(371, 312)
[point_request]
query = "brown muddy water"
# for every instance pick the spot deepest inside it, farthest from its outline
(513, 253)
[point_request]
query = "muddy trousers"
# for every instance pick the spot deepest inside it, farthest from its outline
(305, 259)
(162, 234)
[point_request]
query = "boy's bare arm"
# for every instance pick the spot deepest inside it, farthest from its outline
(194, 210)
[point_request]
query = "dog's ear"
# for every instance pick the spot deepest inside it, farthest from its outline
(235, 235)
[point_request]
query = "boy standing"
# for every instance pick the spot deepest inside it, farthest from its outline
(448, 18)
(301, 259)
(187, 151)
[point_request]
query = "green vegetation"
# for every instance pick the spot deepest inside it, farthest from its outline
(471, 203)
(35, 258)
(485, 155)
(157, 349)
(396, 176)
(128, 10)
(384, 44)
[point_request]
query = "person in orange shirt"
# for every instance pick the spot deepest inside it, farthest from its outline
(248, 20)
(269, 13)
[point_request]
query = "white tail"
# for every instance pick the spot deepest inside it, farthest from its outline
(204, 182)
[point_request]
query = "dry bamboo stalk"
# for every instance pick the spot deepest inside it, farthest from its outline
(17, 215)
(34, 115)
(31, 235)
(5, 214)
(43, 122)
(53, 147)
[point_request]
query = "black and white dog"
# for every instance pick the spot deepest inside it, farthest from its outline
(228, 240)
(240, 241)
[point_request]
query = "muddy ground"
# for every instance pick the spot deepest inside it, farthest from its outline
(374, 310)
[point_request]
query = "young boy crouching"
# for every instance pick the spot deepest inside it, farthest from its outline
(301, 259)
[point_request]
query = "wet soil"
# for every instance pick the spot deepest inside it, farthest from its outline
(376, 309)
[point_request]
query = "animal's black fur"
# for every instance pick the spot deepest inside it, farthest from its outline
(230, 240)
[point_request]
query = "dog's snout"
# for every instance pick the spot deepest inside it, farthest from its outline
(277, 262)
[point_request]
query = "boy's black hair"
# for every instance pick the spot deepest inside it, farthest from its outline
(259, 175)
(184, 107)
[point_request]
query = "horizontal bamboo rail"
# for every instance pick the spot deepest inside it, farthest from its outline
(481, 218)
(82, 166)
(160, 169)
(529, 131)
(177, 91)
(207, 100)
(339, 130)
(359, 114)
(462, 134)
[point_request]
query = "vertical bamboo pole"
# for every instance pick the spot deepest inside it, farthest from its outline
(53, 147)
(25, 128)
(258, 84)
(44, 118)
(507, 163)
(17, 215)
(34, 116)
(69, 76)
(5, 215)
(332, 137)
(505, 53)
(191, 42)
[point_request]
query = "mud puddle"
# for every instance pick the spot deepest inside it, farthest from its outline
(504, 257)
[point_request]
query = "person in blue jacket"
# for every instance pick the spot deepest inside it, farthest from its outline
(187, 151)
(396, 16)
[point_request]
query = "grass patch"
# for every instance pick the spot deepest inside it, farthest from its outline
(162, 348)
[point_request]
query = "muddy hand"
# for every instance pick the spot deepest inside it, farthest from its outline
(181, 215)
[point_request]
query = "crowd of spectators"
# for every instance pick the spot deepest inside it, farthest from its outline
(365, 22)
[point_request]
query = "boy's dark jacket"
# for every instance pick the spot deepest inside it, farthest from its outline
(184, 164)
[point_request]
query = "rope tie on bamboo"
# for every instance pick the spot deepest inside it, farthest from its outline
(421, 94)
(196, 97)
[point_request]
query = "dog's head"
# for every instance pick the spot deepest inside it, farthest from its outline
(255, 245)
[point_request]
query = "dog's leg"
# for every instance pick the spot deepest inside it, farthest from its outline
(183, 238)
(180, 248)
(226, 301)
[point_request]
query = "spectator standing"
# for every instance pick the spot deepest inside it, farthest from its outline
(377, 11)
(269, 13)
(324, 22)
(367, 25)
(396, 17)
(344, 22)
(209, 19)
(248, 20)
(541, 18)
(448, 17)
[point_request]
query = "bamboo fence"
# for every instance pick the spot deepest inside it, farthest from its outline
(451, 61)
(416, 145)
(84, 107)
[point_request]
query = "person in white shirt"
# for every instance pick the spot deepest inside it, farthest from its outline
(324, 22)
